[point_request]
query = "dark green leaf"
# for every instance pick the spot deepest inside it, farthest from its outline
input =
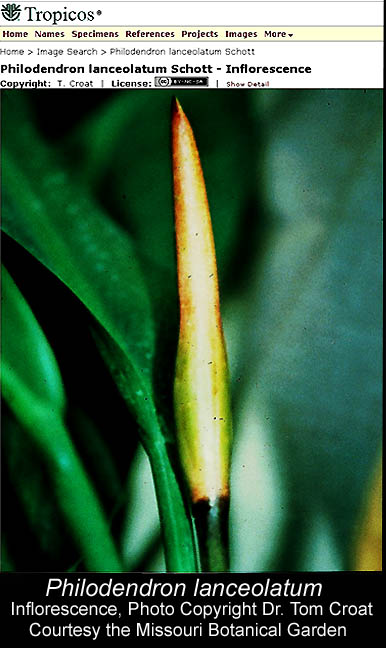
(33, 390)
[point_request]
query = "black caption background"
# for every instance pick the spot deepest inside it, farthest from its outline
(351, 588)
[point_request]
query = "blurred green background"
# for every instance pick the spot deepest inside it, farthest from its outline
(294, 185)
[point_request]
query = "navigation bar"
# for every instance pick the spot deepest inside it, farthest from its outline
(195, 34)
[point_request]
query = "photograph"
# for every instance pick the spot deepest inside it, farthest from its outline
(191, 330)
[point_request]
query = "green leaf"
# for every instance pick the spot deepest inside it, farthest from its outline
(30, 510)
(179, 552)
(57, 221)
(32, 387)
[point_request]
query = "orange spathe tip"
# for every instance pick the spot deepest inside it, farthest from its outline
(176, 106)
(177, 114)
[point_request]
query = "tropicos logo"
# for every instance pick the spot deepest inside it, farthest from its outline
(12, 11)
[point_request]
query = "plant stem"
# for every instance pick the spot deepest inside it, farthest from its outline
(212, 533)
(180, 555)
